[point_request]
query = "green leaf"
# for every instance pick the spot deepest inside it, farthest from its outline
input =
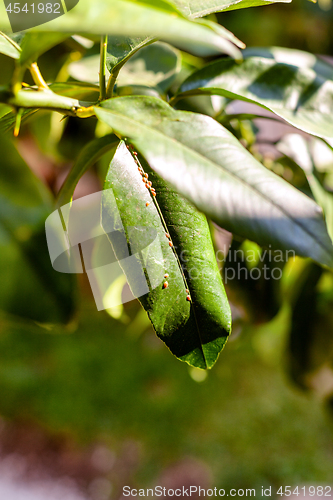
(295, 85)
(153, 66)
(253, 287)
(205, 163)
(141, 19)
(195, 331)
(30, 288)
(200, 8)
(9, 47)
(88, 156)
(310, 343)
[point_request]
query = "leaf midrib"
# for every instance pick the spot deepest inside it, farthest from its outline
(232, 174)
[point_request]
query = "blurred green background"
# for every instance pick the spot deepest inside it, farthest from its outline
(244, 424)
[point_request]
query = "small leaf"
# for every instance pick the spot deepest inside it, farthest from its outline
(9, 47)
(195, 331)
(206, 164)
(35, 44)
(198, 8)
(295, 85)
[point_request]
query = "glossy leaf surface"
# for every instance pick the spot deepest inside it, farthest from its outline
(206, 164)
(195, 331)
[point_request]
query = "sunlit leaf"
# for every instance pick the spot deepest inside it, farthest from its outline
(140, 19)
(206, 164)
(295, 85)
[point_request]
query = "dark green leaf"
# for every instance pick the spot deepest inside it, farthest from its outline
(7, 121)
(310, 343)
(295, 85)
(206, 164)
(194, 331)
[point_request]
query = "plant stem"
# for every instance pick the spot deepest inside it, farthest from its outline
(102, 70)
(42, 99)
(37, 77)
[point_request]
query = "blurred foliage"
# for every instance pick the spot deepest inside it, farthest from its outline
(96, 378)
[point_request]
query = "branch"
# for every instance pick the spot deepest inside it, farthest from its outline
(46, 99)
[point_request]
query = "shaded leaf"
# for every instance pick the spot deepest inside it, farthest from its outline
(35, 44)
(310, 343)
(9, 47)
(199, 8)
(253, 282)
(296, 146)
(7, 121)
(205, 163)
(195, 331)
(295, 85)
(77, 90)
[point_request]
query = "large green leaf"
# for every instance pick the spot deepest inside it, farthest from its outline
(207, 165)
(199, 8)
(30, 288)
(9, 47)
(295, 85)
(141, 19)
(195, 331)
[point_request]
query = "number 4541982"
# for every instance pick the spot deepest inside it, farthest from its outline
(304, 491)
(49, 8)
